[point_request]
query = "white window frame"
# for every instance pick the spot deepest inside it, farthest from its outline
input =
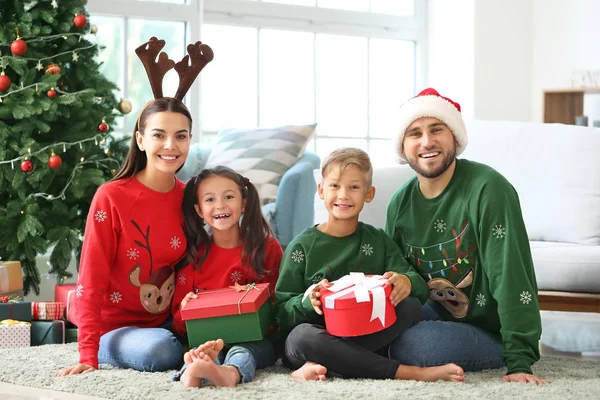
(190, 14)
(258, 14)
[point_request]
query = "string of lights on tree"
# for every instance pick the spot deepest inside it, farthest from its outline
(55, 161)
(18, 49)
(447, 262)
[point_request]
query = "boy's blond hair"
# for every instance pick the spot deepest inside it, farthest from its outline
(346, 157)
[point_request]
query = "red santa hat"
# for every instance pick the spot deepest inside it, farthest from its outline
(429, 103)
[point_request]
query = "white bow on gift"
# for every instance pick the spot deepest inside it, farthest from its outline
(361, 285)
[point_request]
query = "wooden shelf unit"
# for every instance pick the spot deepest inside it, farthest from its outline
(563, 105)
(569, 301)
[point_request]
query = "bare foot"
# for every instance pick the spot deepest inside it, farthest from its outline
(310, 371)
(210, 348)
(448, 372)
(205, 368)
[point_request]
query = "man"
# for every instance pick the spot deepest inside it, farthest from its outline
(460, 225)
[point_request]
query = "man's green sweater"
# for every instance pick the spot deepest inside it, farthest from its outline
(470, 245)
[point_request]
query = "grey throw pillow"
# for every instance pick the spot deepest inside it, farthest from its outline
(261, 155)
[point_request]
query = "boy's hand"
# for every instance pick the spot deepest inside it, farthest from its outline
(188, 297)
(523, 378)
(315, 296)
(401, 286)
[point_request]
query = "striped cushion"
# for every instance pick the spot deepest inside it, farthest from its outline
(261, 155)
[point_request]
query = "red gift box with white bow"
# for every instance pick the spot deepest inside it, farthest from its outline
(357, 305)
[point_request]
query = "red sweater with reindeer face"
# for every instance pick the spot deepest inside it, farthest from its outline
(133, 238)
(222, 268)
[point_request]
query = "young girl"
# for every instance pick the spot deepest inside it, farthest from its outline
(235, 253)
(133, 238)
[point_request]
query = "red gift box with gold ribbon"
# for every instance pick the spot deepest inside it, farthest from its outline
(240, 313)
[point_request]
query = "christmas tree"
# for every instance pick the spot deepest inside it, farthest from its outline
(56, 110)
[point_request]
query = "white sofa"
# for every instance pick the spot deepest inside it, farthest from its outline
(555, 169)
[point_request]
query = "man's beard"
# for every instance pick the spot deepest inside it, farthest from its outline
(433, 173)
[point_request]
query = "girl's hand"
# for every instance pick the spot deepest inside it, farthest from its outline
(188, 297)
(315, 296)
(401, 286)
(76, 369)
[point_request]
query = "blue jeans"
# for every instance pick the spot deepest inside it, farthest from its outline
(246, 357)
(434, 342)
(142, 349)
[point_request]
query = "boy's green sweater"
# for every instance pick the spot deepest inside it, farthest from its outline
(314, 255)
(471, 246)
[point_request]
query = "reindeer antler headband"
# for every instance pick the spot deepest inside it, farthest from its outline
(200, 54)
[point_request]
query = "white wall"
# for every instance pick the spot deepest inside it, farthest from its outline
(479, 54)
(503, 59)
(565, 37)
(451, 52)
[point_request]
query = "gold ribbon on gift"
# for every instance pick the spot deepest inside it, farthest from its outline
(238, 288)
(12, 322)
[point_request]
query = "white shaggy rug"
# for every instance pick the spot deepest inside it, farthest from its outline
(37, 366)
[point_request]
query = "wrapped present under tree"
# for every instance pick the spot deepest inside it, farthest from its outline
(14, 333)
(47, 310)
(13, 307)
(48, 332)
(11, 278)
(65, 294)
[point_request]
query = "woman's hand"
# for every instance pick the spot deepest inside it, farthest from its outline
(76, 369)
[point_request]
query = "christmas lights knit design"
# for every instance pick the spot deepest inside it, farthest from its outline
(448, 294)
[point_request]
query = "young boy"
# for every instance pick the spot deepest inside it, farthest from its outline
(331, 250)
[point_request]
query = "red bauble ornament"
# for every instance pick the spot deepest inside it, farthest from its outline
(51, 93)
(27, 166)
(18, 47)
(54, 161)
(80, 20)
(103, 127)
(53, 69)
(4, 83)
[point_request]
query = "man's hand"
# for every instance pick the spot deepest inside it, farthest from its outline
(188, 297)
(523, 378)
(76, 369)
(315, 296)
(401, 285)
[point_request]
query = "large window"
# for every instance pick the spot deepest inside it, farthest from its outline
(344, 64)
